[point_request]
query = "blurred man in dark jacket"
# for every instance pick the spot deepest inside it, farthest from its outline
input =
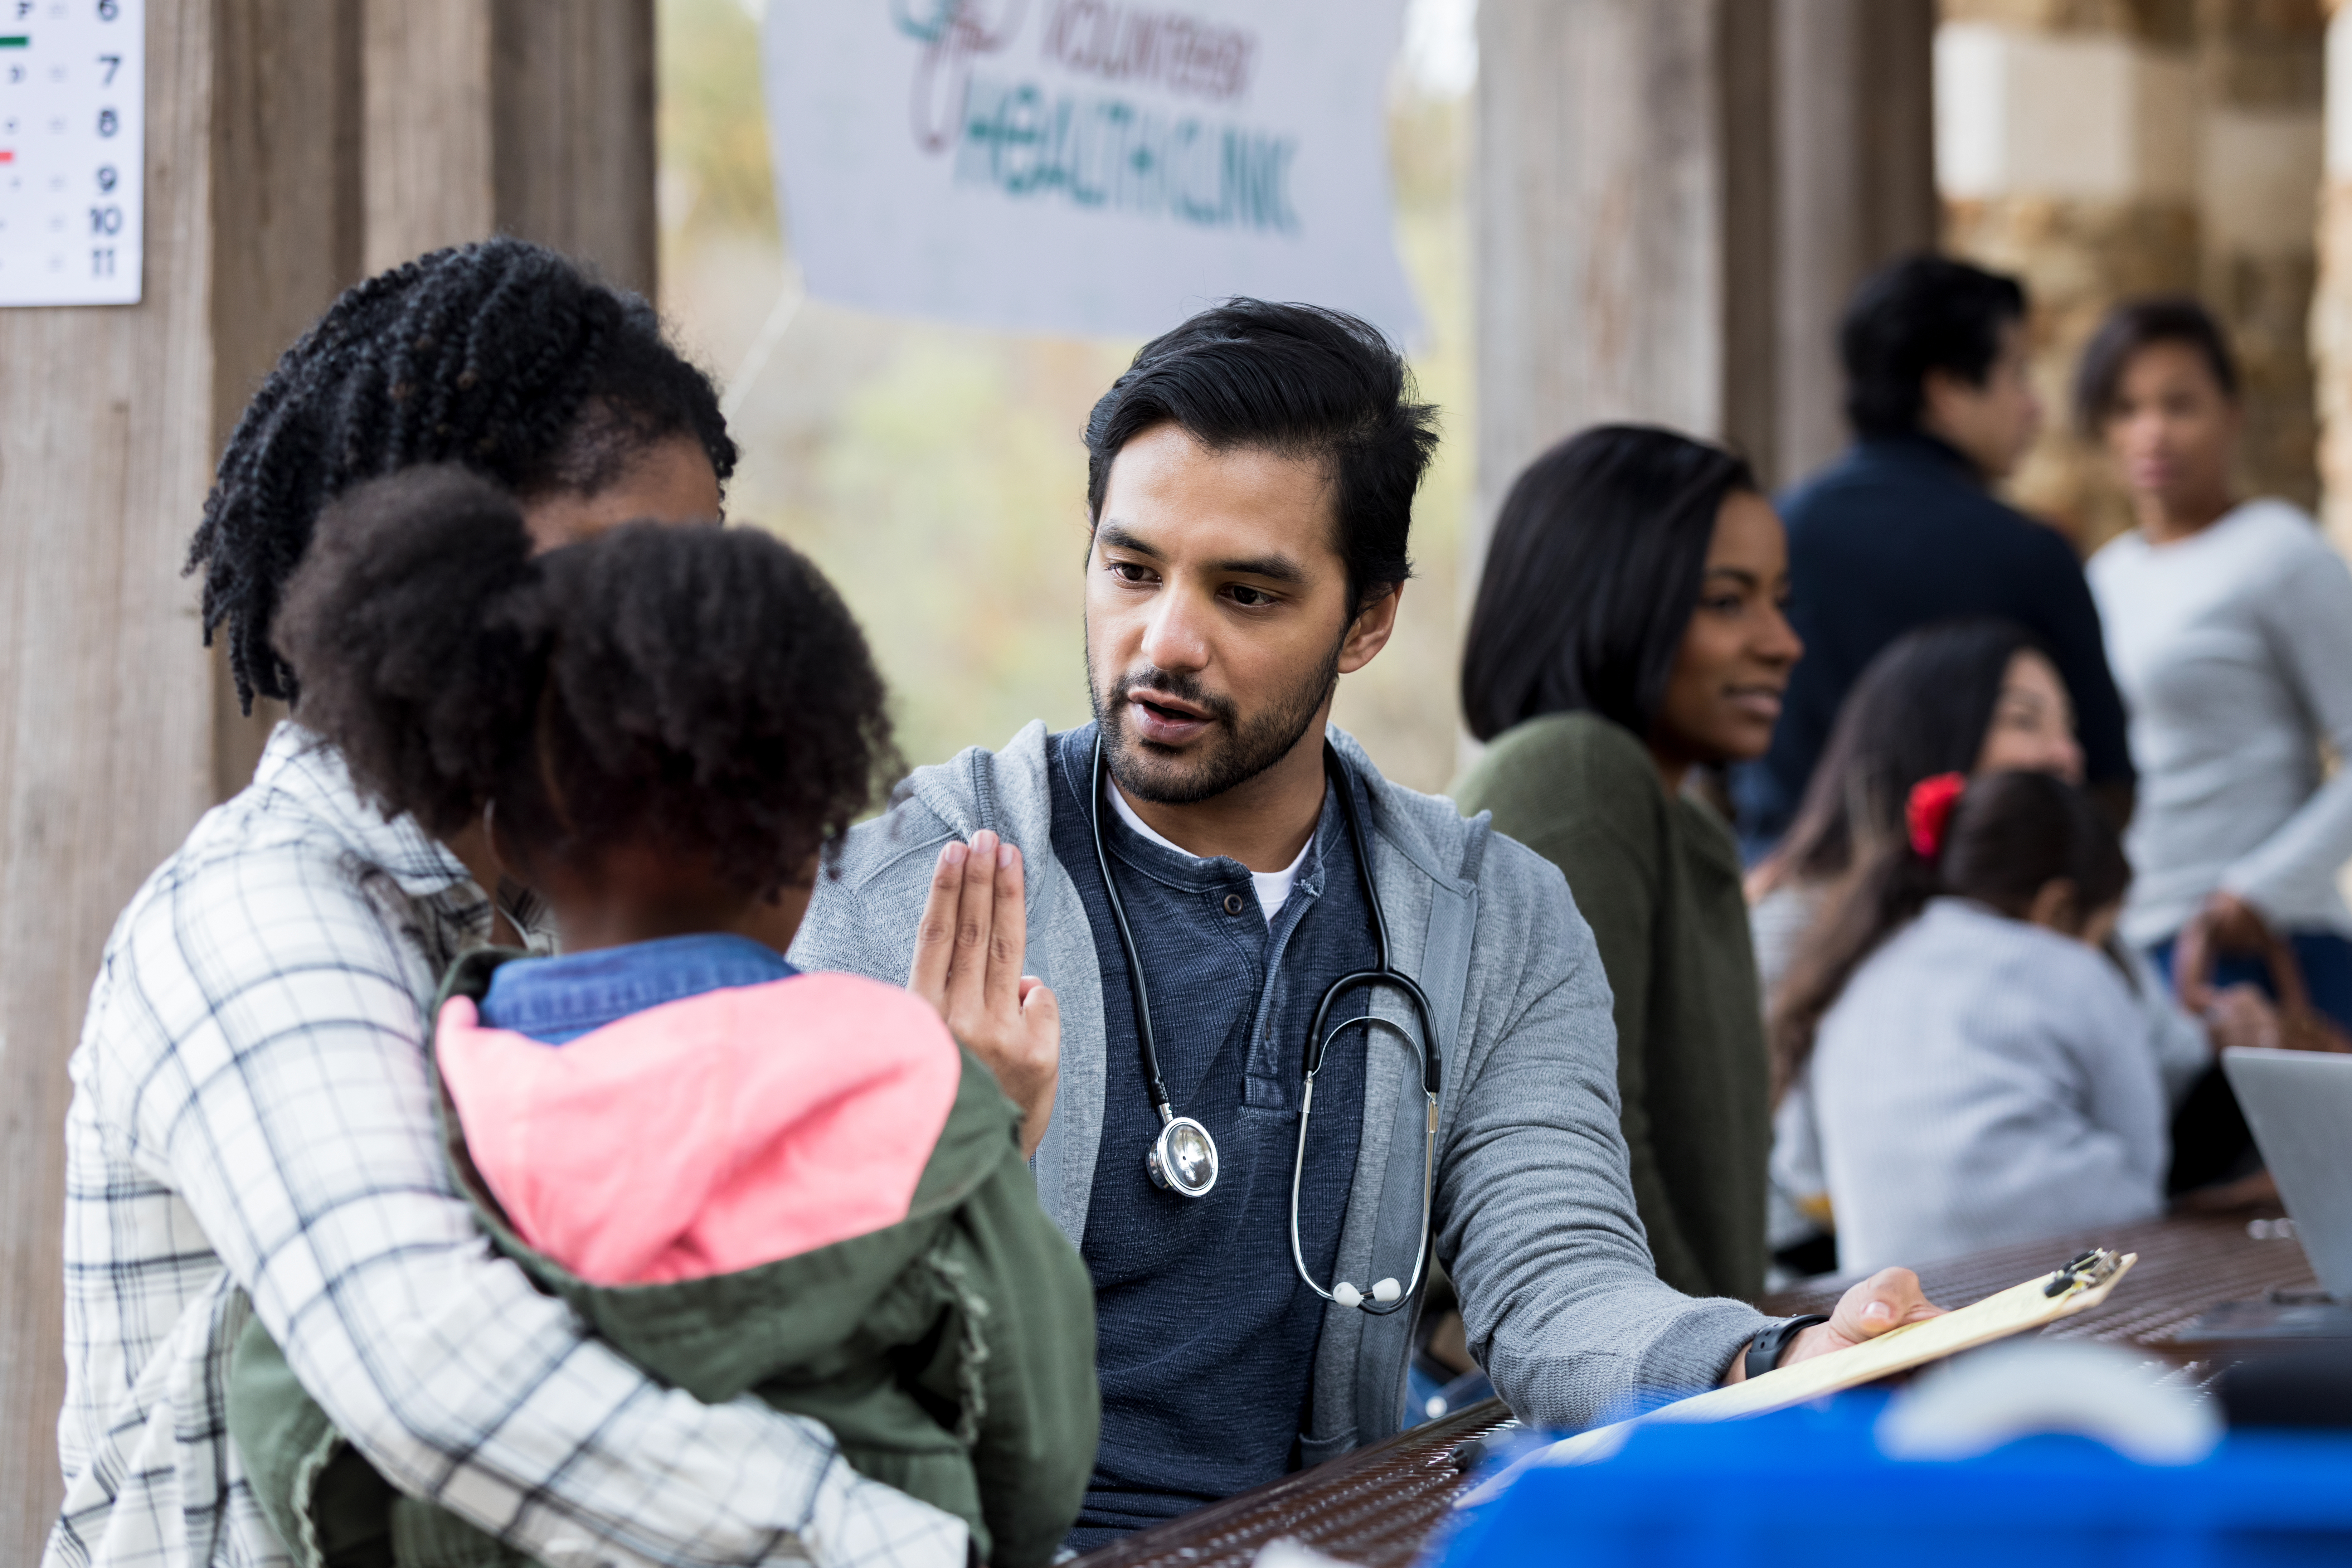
(1903, 528)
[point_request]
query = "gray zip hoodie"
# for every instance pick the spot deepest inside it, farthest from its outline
(1534, 1209)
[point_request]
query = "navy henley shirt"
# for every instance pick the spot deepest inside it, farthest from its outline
(1206, 1336)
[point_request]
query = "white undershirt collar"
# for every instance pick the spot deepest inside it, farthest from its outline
(1272, 887)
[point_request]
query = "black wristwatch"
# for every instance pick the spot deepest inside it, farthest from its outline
(1764, 1352)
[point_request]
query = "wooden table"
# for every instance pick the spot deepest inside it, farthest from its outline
(1379, 1505)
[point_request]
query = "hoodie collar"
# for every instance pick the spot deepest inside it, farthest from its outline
(303, 770)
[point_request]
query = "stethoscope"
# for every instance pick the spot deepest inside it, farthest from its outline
(1183, 1158)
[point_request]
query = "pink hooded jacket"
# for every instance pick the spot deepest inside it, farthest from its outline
(684, 1140)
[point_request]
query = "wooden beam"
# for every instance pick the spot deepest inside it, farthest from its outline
(1675, 199)
(428, 140)
(1599, 221)
(573, 131)
(526, 117)
(1856, 182)
(290, 145)
(106, 700)
(286, 230)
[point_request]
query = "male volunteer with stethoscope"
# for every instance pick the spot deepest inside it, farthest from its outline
(1227, 916)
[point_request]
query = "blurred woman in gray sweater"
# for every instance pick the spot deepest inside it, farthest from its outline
(2229, 625)
(1979, 1068)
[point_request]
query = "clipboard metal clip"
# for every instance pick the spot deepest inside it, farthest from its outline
(2092, 1269)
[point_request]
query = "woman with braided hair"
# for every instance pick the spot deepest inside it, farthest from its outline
(252, 1119)
(503, 357)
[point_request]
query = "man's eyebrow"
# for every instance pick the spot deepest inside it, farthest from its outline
(1119, 538)
(1273, 568)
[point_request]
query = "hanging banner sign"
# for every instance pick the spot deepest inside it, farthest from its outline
(1087, 167)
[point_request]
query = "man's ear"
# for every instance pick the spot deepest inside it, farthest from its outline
(1939, 390)
(1374, 624)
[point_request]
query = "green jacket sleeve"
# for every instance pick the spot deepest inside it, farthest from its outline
(326, 1504)
(1030, 1309)
(1581, 792)
(1615, 885)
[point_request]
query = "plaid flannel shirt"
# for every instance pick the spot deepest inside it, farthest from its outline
(250, 1109)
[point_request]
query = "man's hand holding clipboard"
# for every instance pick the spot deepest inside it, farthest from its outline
(1889, 1299)
(1900, 1332)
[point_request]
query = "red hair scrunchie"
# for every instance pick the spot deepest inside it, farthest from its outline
(1928, 810)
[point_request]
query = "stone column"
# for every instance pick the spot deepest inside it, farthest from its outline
(2331, 305)
(278, 161)
(2101, 152)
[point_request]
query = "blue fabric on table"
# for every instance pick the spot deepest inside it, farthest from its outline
(554, 1000)
(1808, 1486)
(1206, 1336)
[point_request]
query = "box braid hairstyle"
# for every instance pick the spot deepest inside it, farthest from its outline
(503, 356)
(697, 687)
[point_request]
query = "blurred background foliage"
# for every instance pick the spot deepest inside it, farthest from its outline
(936, 473)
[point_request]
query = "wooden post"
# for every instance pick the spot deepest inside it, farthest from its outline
(573, 131)
(289, 143)
(285, 226)
(525, 117)
(1857, 188)
(1676, 198)
(428, 127)
(106, 702)
(1603, 227)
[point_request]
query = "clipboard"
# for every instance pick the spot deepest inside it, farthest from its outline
(2076, 1286)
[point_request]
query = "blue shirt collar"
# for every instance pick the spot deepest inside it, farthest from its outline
(554, 1000)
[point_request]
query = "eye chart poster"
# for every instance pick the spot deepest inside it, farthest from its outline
(1087, 167)
(72, 139)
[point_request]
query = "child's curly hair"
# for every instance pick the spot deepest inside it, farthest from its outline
(698, 687)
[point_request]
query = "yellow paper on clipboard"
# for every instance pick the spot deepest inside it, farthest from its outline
(2038, 1302)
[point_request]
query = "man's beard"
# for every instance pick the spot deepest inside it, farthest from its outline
(1238, 748)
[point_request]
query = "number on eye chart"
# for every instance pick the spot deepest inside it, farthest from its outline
(72, 152)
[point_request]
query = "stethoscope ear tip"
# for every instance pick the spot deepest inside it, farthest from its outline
(1384, 1292)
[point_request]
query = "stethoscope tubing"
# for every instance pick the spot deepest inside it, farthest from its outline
(1428, 1170)
(1318, 1040)
(1153, 1082)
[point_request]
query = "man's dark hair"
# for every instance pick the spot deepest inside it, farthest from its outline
(1297, 380)
(502, 356)
(2137, 324)
(1922, 314)
(1921, 707)
(1592, 575)
(699, 687)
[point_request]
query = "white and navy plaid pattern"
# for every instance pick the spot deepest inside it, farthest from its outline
(250, 1109)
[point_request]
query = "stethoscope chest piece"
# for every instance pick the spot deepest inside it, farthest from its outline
(1183, 1158)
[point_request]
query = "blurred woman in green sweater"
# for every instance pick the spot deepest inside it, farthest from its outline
(1628, 630)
